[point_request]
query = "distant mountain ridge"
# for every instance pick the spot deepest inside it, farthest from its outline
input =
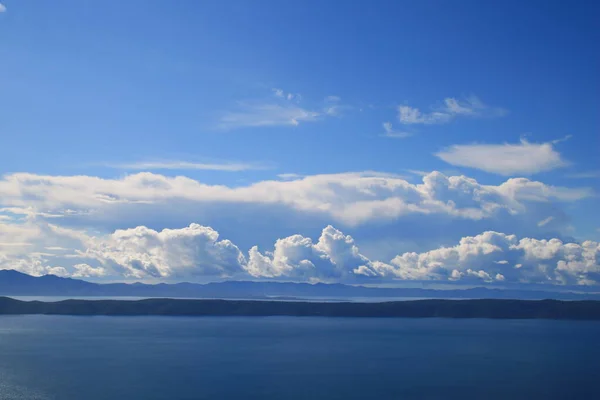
(13, 283)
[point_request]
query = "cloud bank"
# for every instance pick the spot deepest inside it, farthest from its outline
(197, 251)
(351, 199)
(110, 228)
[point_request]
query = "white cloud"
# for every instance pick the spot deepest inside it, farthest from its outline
(2, 8)
(23, 246)
(545, 221)
(85, 271)
(261, 211)
(452, 108)
(288, 96)
(267, 114)
(14, 244)
(493, 256)
(335, 256)
(410, 115)
(142, 252)
(282, 109)
(186, 165)
(505, 159)
(333, 108)
(349, 198)
(391, 133)
(564, 139)
(197, 252)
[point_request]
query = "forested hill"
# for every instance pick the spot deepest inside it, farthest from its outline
(485, 308)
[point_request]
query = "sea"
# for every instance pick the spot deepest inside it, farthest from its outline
(176, 358)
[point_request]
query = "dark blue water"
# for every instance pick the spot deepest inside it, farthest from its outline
(146, 358)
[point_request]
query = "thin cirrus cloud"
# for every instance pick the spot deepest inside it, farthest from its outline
(2, 8)
(451, 109)
(505, 159)
(281, 109)
(257, 114)
(391, 133)
(545, 221)
(186, 165)
(584, 175)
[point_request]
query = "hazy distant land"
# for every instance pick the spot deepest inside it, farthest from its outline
(13, 283)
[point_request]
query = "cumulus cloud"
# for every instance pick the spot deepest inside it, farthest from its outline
(505, 159)
(493, 256)
(86, 271)
(197, 252)
(45, 215)
(335, 256)
(31, 246)
(140, 252)
(452, 108)
(349, 198)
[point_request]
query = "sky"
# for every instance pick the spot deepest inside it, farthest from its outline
(365, 142)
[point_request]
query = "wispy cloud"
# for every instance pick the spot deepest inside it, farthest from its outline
(391, 133)
(584, 175)
(564, 139)
(2, 8)
(505, 159)
(186, 165)
(452, 108)
(288, 96)
(281, 109)
(333, 106)
(264, 114)
(333, 99)
(545, 221)
(418, 172)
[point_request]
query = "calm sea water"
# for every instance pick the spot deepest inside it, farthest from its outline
(171, 358)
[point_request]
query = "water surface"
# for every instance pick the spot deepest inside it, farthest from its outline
(152, 358)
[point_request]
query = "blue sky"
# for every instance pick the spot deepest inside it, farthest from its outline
(285, 118)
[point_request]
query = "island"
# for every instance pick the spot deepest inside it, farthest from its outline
(434, 308)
